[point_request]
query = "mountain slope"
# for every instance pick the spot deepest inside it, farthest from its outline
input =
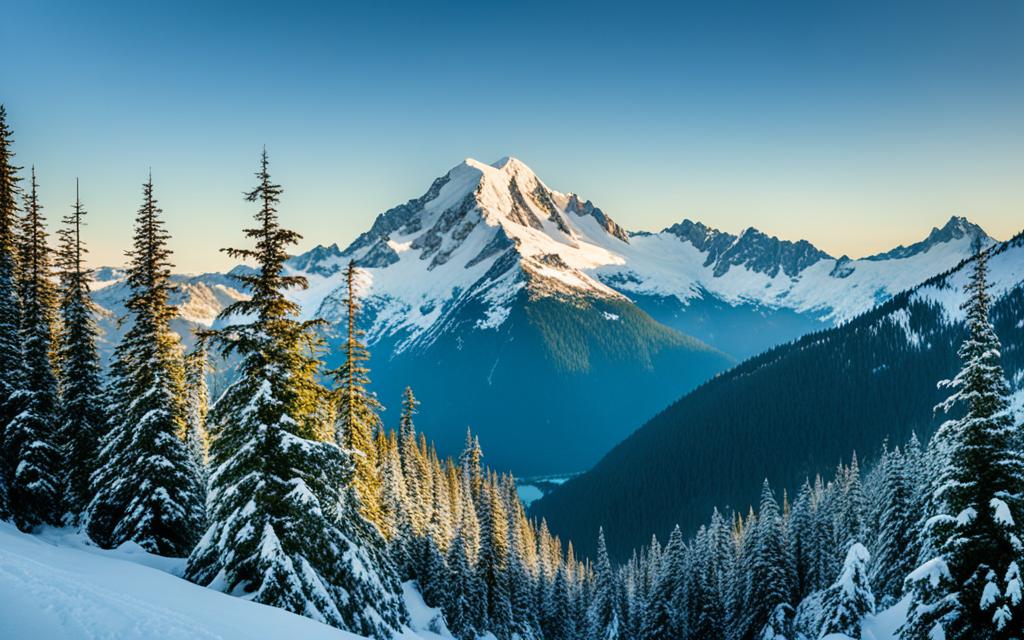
(789, 413)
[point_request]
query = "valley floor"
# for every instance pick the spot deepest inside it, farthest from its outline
(58, 585)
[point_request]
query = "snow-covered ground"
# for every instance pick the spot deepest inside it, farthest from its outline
(57, 585)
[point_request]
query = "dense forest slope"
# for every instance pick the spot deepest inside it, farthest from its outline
(791, 412)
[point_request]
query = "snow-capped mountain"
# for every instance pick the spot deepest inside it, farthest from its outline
(492, 288)
(484, 232)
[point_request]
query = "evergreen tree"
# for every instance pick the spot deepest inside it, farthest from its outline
(662, 617)
(197, 406)
(81, 409)
(11, 380)
(894, 558)
(32, 436)
(493, 561)
(802, 542)
(769, 564)
(285, 526)
(850, 524)
(603, 614)
(146, 488)
(461, 600)
(977, 592)
(849, 599)
(358, 419)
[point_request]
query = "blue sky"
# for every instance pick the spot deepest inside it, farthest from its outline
(855, 125)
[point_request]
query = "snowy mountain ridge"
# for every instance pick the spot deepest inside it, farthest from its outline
(490, 230)
(485, 232)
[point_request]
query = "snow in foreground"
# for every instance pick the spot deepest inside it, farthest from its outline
(56, 585)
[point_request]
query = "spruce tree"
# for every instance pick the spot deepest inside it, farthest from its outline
(662, 617)
(285, 526)
(849, 599)
(81, 408)
(146, 488)
(894, 556)
(769, 564)
(358, 419)
(973, 589)
(493, 561)
(32, 437)
(197, 406)
(603, 614)
(11, 379)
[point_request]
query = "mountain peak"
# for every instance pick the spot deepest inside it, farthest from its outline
(956, 228)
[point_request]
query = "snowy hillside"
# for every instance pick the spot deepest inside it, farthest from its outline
(57, 585)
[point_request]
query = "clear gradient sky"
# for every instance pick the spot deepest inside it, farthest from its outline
(856, 125)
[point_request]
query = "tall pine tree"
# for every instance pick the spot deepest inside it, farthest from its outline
(973, 589)
(146, 488)
(10, 308)
(197, 406)
(32, 436)
(358, 419)
(81, 409)
(284, 524)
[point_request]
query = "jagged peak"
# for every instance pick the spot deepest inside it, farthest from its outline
(955, 228)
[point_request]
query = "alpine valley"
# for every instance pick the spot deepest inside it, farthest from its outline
(493, 290)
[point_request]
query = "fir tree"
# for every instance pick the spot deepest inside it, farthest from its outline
(849, 599)
(894, 556)
(81, 409)
(358, 419)
(661, 618)
(32, 436)
(493, 561)
(197, 406)
(603, 614)
(461, 600)
(11, 380)
(976, 592)
(146, 487)
(769, 563)
(285, 526)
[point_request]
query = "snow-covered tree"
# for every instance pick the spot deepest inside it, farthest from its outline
(197, 406)
(662, 618)
(770, 563)
(358, 418)
(972, 587)
(285, 526)
(11, 380)
(32, 436)
(894, 556)
(603, 614)
(849, 599)
(81, 407)
(146, 487)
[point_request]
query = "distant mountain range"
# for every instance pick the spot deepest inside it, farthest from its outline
(794, 411)
(535, 318)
